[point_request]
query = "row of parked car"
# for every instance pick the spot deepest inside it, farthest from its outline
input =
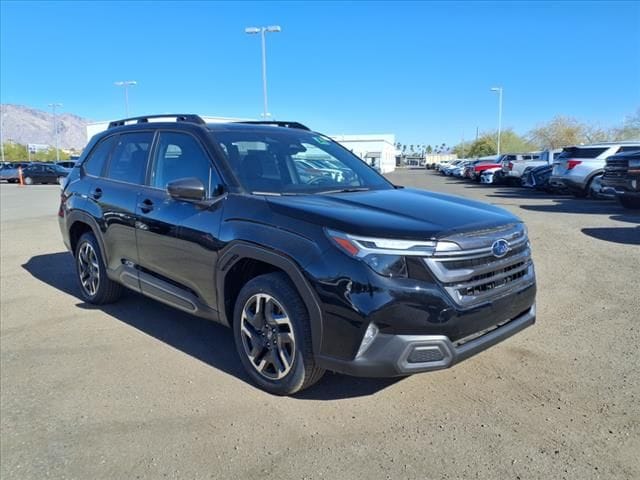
(35, 172)
(594, 171)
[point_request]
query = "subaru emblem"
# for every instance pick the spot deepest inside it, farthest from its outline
(500, 248)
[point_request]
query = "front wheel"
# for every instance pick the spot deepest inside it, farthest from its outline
(28, 181)
(273, 335)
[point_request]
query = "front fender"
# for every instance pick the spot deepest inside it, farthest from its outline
(242, 249)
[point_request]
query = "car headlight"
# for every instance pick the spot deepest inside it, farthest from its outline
(384, 256)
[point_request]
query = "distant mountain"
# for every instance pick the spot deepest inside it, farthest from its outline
(24, 125)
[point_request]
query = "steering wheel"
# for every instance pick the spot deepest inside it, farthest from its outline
(321, 181)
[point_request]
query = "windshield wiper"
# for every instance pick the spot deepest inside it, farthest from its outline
(347, 190)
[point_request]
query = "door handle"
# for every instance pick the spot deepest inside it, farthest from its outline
(146, 205)
(97, 193)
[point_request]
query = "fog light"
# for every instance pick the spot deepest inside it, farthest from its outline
(368, 338)
(634, 184)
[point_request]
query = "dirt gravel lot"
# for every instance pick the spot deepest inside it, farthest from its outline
(138, 390)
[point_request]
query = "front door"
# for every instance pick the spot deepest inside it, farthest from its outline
(177, 240)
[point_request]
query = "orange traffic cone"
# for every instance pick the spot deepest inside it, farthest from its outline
(20, 177)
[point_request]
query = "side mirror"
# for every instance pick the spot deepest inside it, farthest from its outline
(191, 189)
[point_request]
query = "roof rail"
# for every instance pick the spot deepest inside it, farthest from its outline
(179, 117)
(297, 125)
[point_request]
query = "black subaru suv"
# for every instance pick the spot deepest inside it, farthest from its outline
(315, 260)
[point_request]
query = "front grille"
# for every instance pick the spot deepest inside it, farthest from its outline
(615, 169)
(475, 276)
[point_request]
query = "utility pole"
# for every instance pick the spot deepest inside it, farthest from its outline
(499, 90)
(55, 128)
(2, 133)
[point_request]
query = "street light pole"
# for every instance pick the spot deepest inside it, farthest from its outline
(55, 127)
(499, 90)
(126, 84)
(2, 114)
(262, 31)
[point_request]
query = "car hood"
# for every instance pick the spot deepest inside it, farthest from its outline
(395, 213)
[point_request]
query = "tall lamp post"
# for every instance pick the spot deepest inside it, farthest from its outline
(55, 128)
(262, 31)
(499, 90)
(2, 114)
(126, 84)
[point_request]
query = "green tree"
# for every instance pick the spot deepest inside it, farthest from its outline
(481, 148)
(429, 149)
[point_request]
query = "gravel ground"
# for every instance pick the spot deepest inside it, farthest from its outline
(138, 390)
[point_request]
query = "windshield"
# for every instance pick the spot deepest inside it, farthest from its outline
(295, 162)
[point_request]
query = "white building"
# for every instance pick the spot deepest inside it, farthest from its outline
(378, 150)
(97, 127)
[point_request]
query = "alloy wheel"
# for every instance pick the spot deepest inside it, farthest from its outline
(267, 336)
(88, 269)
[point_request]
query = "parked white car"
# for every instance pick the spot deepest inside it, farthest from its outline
(580, 168)
(487, 175)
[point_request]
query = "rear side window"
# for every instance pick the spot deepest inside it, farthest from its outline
(129, 158)
(582, 152)
(98, 157)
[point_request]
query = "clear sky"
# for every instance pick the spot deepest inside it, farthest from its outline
(420, 70)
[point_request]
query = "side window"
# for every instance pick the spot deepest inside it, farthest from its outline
(629, 148)
(129, 158)
(94, 164)
(179, 155)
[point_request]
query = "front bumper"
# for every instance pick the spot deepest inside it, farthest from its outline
(399, 355)
(624, 186)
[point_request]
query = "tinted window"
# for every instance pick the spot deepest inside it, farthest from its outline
(582, 152)
(94, 164)
(629, 148)
(294, 161)
(129, 157)
(179, 155)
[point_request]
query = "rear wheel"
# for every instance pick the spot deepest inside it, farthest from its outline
(273, 335)
(91, 273)
(627, 201)
(61, 180)
(592, 190)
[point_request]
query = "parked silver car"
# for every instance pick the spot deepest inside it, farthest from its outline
(580, 168)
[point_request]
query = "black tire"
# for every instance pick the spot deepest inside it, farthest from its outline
(586, 192)
(303, 371)
(632, 203)
(107, 291)
(28, 181)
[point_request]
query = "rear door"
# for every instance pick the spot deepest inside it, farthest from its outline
(178, 240)
(113, 195)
